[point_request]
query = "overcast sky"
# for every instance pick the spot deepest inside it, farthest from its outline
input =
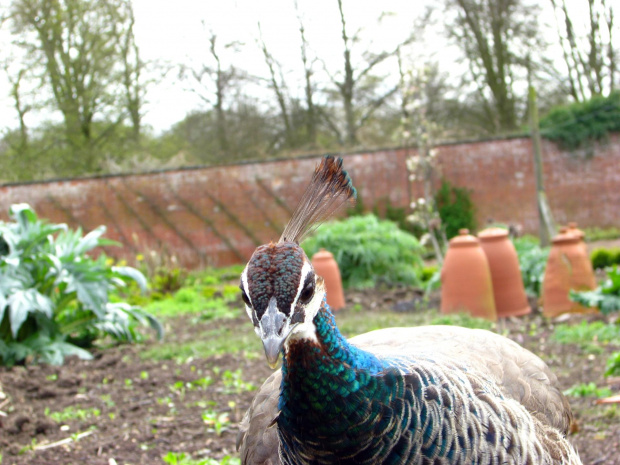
(179, 34)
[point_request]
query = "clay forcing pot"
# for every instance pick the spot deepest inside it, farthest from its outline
(466, 284)
(508, 289)
(326, 267)
(575, 231)
(568, 267)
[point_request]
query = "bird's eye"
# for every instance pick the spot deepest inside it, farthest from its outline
(245, 297)
(307, 294)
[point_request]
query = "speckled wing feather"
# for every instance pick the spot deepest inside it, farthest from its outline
(518, 373)
(257, 440)
(515, 372)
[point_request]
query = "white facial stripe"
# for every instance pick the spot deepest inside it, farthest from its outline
(244, 282)
(307, 330)
(306, 269)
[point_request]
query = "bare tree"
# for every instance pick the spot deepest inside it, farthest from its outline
(494, 36)
(278, 85)
(212, 81)
(590, 57)
(311, 119)
(133, 66)
(357, 88)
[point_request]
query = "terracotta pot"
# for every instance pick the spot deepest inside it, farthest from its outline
(568, 267)
(508, 289)
(326, 267)
(466, 279)
(575, 231)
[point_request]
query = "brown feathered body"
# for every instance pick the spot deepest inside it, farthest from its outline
(509, 409)
(430, 395)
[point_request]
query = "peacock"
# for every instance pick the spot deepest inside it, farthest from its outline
(425, 395)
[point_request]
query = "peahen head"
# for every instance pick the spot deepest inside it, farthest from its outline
(281, 292)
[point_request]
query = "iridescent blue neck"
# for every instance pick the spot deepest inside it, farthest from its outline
(324, 381)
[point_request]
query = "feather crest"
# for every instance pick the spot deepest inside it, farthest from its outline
(330, 188)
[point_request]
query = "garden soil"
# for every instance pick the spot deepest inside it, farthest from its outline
(133, 411)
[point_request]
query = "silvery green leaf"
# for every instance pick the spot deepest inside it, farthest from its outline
(3, 303)
(132, 273)
(90, 240)
(23, 302)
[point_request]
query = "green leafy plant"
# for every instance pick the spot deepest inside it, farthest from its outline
(455, 208)
(54, 296)
(579, 124)
(369, 251)
(168, 280)
(605, 297)
(587, 390)
(533, 261)
(613, 365)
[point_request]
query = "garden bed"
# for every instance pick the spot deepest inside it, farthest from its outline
(140, 404)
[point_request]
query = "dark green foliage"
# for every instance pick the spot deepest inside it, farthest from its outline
(455, 209)
(605, 297)
(533, 261)
(579, 124)
(602, 257)
(369, 251)
(54, 297)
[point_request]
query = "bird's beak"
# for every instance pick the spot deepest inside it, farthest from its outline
(272, 324)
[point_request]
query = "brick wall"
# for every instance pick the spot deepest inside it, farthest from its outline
(218, 215)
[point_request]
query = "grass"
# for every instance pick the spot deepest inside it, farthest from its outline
(241, 337)
(189, 301)
(589, 336)
(358, 321)
(216, 341)
(355, 322)
(181, 458)
(600, 234)
(464, 320)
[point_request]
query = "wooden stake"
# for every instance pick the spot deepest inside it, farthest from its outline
(546, 227)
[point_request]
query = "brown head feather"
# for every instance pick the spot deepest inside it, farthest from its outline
(329, 189)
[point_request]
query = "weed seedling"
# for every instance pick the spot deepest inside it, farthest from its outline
(216, 422)
(233, 384)
(72, 413)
